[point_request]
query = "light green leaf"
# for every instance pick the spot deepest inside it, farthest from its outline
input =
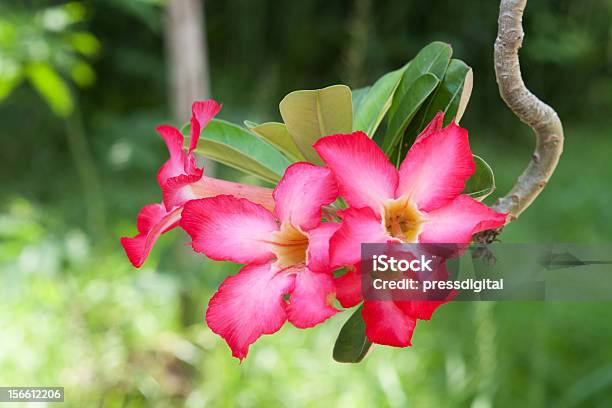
(85, 43)
(312, 114)
(374, 105)
(8, 83)
(352, 345)
(83, 74)
(412, 101)
(358, 96)
(482, 182)
(433, 58)
(278, 136)
(51, 87)
(250, 124)
(236, 147)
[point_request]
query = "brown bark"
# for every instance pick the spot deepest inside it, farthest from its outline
(528, 108)
(187, 55)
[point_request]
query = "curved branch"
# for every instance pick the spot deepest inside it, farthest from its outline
(528, 108)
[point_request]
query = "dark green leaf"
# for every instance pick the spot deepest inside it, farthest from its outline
(433, 58)
(448, 97)
(412, 101)
(236, 147)
(352, 345)
(482, 182)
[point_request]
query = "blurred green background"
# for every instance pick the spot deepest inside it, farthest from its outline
(82, 87)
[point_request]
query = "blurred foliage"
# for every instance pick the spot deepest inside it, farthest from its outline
(41, 47)
(73, 312)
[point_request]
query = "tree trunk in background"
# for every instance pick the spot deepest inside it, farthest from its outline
(187, 59)
(187, 55)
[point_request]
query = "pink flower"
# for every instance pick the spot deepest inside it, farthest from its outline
(420, 203)
(181, 180)
(286, 253)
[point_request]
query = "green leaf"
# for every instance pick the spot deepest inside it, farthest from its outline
(236, 147)
(433, 58)
(51, 87)
(278, 136)
(482, 182)
(352, 345)
(250, 124)
(85, 43)
(358, 96)
(413, 99)
(312, 114)
(455, 88)
(373, 106)
(8, 82)
(449, 94)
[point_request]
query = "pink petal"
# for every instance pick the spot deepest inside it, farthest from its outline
(312, 299)
(365, 176)
(424, 309)
(318, 246)
(359, 225)
(436, 167)
(348, 287)
(152, 221)
(176, 191)
(248, 305)
(420, 309)
(202, 112)
(227, 228)
(387, 324)
(301, 193)
(179, 190)
(178, 159)
(456, 222)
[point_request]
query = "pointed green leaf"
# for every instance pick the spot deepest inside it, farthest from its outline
(236, 147)
(374, 105)
(352, 345)
(312, 114)
(412, 101)
(433, 58)
(278, 136)
(482, 182)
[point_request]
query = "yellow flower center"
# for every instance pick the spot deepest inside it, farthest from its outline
(402, 220)
(289, 245)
